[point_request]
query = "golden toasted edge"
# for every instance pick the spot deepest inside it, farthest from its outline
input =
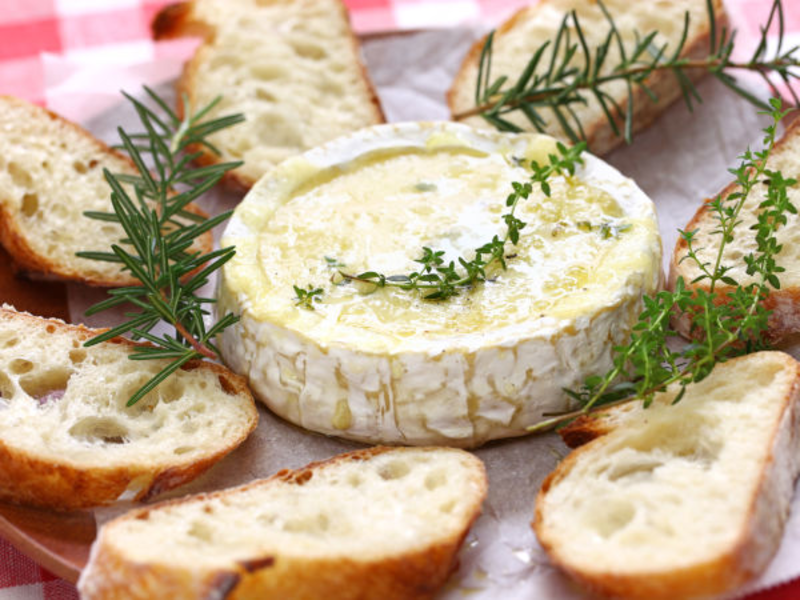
(746, 558)
(179, 20)
(412, 575)
(785, 302)
(600, 136)
(27, 479)
(28, 261)
(586, 428)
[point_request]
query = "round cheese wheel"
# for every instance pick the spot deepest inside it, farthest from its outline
(387, 365)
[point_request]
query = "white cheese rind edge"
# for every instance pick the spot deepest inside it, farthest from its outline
(462, 395)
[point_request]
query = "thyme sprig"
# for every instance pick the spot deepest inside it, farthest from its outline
(724, 326)
(439, 279)
(159, 249)
(565, 72)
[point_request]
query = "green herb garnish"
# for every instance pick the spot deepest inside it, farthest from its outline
(440, 280)
(158, 249)
(724, 329)
(565, 72)
(305, 297)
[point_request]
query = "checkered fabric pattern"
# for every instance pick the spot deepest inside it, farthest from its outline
(23, 579)
(41, 38)
(33, 33)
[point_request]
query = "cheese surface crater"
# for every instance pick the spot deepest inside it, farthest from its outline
(371, 202)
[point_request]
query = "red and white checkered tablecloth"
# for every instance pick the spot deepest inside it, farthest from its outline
(39, 39)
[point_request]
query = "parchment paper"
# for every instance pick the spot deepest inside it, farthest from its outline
(678, 162)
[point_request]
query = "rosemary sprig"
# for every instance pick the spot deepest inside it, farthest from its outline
(725, 327)
(565, 72)
(440, 280)
(160, 232)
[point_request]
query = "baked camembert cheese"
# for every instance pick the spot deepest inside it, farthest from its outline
(391, 367)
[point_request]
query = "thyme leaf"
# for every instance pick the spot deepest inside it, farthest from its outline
(438, 279)
(305, 297)
(724, 326)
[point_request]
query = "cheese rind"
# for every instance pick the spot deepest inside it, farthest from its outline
(389, 366)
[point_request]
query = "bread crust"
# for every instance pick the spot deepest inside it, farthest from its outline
(27, 261)
(412, 575)
(748, 556)
(179, 20)
(64, 485)
(600, 137)
(784, 303)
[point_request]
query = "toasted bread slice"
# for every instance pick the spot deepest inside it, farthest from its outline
(517, 39)
(380, 523)
(51, 171)
(686, 500)
(67, 439)
(785, 302)
(292, 67)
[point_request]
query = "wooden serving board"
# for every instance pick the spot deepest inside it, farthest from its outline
(60, 542)
(45, 299)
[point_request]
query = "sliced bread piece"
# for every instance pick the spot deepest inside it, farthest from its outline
(51, 171)
(785, 302)
(379, 523)
(517, 39)
(685, 500)
(67, 439)
(292, 67)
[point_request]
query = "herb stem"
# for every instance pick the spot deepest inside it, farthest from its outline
(199, 347)
(733, 324)
(443, 281)
(566, 71)
(592, 83)
(160, 233)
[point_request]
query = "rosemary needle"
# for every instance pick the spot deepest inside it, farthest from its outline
(565, 72)
(160, 247)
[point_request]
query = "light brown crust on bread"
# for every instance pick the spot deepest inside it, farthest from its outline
(588, 427)
(600, 136)
(473, 57)
(784, 303)
(583, 430)
(748, 556)
(412, 575)
(179, 20)
(32, 263)
(64, 485)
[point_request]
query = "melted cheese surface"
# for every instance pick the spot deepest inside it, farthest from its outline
(582, 248)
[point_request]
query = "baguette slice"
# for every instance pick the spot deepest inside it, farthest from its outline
(292, 67)
(785, 302)
(379, 523)
(518, 38)
(51, 171)
(681, 501)
(67, 440)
